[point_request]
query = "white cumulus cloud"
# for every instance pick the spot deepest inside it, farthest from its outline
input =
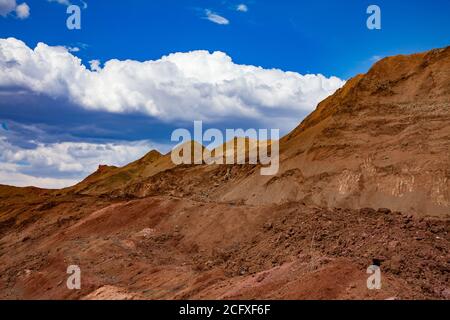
(242, 8)
(9, 6)
(73, 49)
(58, 165)
(214, 17)
(23, 11)
(64, 2)
(196, 85)
(95, 65)
(11, 177)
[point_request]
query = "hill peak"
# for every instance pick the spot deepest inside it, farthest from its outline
(395, 80)
(150, 157)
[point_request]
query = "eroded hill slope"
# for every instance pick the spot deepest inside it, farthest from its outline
(383, 140)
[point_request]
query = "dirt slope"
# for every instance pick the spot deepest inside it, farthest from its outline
(382, 140)
(163, 247)
(108, 178)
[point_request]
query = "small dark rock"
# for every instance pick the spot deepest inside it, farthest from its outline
(268, 226)
(367, 211)
(377, 262)
(384, 211)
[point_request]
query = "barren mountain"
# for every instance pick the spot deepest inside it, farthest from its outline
(382, 140)
(364, 179)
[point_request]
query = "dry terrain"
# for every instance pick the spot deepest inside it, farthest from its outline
(364, 179)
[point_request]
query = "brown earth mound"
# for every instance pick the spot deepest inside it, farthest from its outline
(382, 140)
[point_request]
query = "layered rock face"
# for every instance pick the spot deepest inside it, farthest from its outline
(383, 140)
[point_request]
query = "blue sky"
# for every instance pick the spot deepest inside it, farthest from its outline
(294, 37)
(328, 36)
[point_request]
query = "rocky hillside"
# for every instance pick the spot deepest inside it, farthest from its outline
(383, 140)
